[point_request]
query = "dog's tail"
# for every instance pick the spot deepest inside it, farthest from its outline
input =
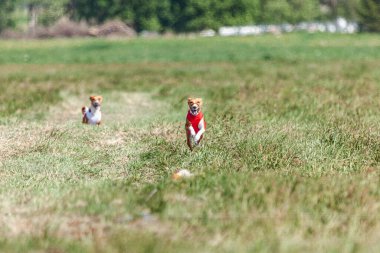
(84, 110)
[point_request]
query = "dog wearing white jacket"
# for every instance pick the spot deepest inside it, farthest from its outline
(93, 115)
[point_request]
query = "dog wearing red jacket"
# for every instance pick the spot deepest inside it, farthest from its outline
(93, 115)
(195, 122)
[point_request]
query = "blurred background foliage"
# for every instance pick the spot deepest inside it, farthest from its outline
(188, 15)
(6, 7)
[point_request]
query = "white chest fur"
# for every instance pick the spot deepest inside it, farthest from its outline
(93, 117)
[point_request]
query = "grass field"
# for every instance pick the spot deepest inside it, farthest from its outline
(290, 160)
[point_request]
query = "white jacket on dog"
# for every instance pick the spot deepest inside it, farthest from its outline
(94, 116)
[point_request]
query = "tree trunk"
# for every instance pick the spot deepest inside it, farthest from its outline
(32, 15)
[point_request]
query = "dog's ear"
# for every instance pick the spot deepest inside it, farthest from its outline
(92, 98)
(100, 98)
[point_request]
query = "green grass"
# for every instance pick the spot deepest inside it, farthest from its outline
(289, 162)
(291, 48)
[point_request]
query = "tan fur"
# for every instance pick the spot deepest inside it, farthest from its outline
(198, 101)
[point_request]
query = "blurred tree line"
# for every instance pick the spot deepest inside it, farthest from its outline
(192, 15)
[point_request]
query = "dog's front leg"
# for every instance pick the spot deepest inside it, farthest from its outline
(190, 130)
(189, 143)
(190, 134)
(198, 136)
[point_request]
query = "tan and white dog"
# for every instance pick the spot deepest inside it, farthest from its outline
(93, 115)
(195, 122)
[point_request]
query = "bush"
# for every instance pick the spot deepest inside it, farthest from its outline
(112, 29)
(67, 28)
(11, 34)
(63, 28)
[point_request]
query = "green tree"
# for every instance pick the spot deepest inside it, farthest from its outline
(153, 15)
(195, 15)
(51, 11)
(343, 8)
(150, 15)
(369, 13)
(160, 15)
(348, 9)
(98, 11)
(291, 11)
(44, 12)
(332, 6)
(235, 12)
(6, 8)
(190, 15)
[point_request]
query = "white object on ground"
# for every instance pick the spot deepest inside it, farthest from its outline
(183, 173)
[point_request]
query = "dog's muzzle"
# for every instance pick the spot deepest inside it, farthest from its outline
(96, 104)
(194, 110)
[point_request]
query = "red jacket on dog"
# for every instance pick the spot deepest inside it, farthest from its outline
(195, 120)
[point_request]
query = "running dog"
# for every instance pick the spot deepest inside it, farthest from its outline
(93, 115)
(195, 123)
